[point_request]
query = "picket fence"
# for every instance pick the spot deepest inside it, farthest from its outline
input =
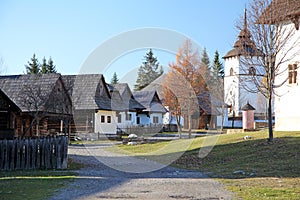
(34, 153)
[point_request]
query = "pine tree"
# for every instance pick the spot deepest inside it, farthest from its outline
(33, 67)
(205, 58)
(51, 67)
(148, 71)
(114, 79)
(217, 67)
(44, 66)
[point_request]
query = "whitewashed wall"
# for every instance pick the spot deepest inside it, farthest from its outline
(105, 128)
(124, 123)
(287, 110)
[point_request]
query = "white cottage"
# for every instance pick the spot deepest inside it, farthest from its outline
(153, 114)
(125, 105)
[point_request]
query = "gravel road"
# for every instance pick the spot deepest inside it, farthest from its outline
(108, 175)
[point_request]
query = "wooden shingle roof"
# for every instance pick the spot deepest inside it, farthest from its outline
(25, 87)
(150, 100)
(157, 85)
(281, 11)
(126, 96)
(88, 91)
(209, 104)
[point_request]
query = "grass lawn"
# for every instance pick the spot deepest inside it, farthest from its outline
(34, 184)
(263, 170)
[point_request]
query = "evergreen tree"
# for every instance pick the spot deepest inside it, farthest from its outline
(114, 79)
(44, 66)
(148, 71)
(33, 66)
(205, 58)
(217, 67)
(51, 67)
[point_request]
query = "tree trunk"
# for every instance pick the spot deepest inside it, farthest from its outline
(233, 116)
(270, 118)
(222, 119)
(178, 126)
(190, 126)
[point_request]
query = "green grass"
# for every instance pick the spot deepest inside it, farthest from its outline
(275, 166)
(34, 184)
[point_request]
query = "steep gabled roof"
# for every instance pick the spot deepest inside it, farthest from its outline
(88, 91)
(123, 89)
(281, 11)
(156, 85)
(150, 100)
(126, 96)
(6, 103)
(209, 103)
(28, 86)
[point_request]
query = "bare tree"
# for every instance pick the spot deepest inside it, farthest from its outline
(34, 99)
(43, 100)
(268, 43)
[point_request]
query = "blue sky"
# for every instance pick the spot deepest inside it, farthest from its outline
(69, 31)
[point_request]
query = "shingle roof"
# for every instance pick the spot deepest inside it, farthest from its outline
(150, 100)
(279, 11)
(21, 87)
(88, 91)
(156, 85)
(247, 107)
(209, 104)
(126, 96)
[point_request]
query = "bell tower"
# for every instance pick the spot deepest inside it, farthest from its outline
(235, 94)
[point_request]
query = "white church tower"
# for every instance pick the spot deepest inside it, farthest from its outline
(235, 93)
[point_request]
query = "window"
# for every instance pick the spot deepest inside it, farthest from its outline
(119, 118)
(252, 71)
(102, 119)
(292, 73)
(231, 72)
(109, 119)
(128, 117)
(155, 120)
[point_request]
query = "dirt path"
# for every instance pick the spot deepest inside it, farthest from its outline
(115, 181)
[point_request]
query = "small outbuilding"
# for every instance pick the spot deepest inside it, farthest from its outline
(248, 116)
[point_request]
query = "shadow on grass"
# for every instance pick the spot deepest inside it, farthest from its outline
(250, 158)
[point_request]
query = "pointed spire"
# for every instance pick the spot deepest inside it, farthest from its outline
(245, 18)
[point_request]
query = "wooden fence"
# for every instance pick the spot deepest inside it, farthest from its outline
(38, 153)
(142, 130)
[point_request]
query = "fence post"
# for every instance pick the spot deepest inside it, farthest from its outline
(52, 152)
(12, 154)
(27, 155)
(64, 153)
(6, 154)
(38, 153)
(33, 153)
(58, 152)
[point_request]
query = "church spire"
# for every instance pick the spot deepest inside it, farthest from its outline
(244, 38)
(245, 18)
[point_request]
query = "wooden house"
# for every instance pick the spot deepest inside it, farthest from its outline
(153, 114)
(34, 105)
(92, 105)
(128, 116)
